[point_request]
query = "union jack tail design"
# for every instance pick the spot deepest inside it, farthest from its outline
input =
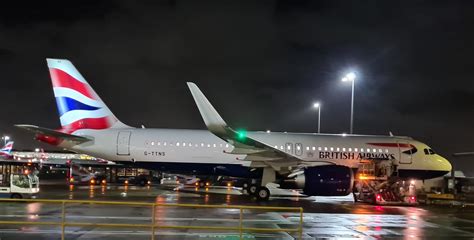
(7, 149)
(78, 104)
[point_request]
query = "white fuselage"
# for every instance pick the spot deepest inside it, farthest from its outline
(173, 146)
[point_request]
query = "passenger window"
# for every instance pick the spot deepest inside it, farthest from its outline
(314, 149)
(307, 148)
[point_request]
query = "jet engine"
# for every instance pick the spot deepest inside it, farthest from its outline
(328, 180)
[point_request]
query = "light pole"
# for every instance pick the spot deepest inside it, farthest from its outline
(351, 77)
(318, 106)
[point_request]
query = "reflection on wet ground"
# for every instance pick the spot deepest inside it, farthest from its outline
(323, 218)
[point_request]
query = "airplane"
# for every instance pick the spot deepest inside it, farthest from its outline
(320, 164)
(6, 151)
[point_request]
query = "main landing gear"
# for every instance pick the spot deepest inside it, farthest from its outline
(257, 188)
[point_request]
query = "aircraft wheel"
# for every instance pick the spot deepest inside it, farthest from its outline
(263, 194)
(253, 189)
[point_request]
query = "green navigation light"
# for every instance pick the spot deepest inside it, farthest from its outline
(241, 134)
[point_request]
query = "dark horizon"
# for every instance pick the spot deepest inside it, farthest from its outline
(262, 65)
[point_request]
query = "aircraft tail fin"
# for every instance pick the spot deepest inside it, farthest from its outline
(78, 104)
(7, 149)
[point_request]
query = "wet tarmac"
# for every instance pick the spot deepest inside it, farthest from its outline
(324, 218)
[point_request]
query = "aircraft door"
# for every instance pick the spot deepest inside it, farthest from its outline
(123, 143)
(289, 148)
(405, 152)
(298, 149)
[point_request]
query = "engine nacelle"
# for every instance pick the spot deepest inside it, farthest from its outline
(329, 180)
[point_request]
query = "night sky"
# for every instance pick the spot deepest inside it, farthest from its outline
(261, 63)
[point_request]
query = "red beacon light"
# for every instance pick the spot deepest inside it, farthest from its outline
(378, 197)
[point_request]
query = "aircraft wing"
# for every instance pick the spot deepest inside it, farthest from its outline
(256, 151)
(52, 135)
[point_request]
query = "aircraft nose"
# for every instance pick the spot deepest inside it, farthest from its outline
(444, 164)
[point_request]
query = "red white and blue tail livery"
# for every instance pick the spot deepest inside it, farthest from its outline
(78, 104)
(79, 108)
(6, 150)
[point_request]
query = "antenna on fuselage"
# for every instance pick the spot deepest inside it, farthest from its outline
(390, 133)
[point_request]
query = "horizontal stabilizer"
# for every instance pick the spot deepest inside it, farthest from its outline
(48, 135)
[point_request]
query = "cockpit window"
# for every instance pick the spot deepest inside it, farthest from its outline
(428, 151)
